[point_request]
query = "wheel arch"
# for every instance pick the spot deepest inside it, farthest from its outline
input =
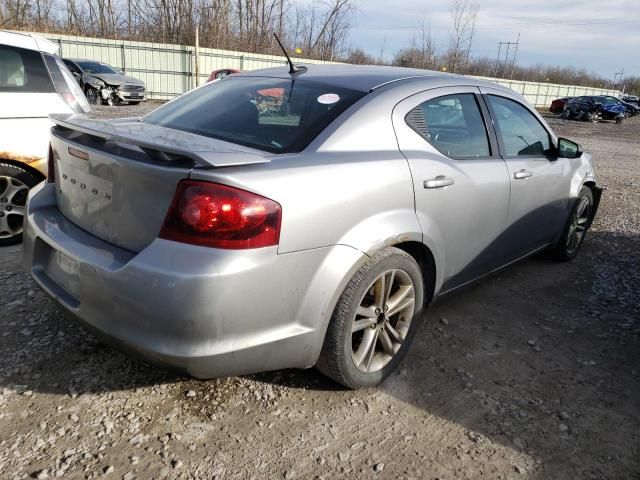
(426, 261)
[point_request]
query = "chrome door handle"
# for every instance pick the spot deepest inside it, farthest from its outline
(438, 182)
(520, 174)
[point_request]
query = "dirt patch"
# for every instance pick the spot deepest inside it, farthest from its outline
(533, 373)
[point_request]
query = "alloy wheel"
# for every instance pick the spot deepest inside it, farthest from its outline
(578, 225)
(382, 320)
(13, 198)
(92, 96)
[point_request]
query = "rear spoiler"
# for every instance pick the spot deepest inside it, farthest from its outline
(165, 142)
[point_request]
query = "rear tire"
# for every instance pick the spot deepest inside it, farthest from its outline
(364, 343)
(15, 183)
(576, 228)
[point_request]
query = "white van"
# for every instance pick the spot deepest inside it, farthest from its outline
(34, 83)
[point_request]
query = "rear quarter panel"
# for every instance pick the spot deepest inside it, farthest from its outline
(360, 199)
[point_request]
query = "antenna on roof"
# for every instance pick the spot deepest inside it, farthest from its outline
(292, 68)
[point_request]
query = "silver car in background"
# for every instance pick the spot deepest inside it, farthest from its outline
(272, 220)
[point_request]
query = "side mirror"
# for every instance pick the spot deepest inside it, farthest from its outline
(568, 149)
(75, 74)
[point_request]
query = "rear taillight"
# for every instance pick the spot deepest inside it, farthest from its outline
(214, 215)
(51, 168)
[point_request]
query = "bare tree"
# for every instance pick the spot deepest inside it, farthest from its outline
(464, 15)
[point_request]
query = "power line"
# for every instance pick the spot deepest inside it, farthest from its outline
(510, 26)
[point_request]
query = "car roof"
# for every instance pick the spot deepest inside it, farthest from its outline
(363, 77)
(85, 60)
(28, 41)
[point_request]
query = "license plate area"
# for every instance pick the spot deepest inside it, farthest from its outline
(58, 272)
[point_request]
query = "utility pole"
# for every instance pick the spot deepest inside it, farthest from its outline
(495, 73)
(196, 52)
(506, 57)
(515, 55)
(617, 80)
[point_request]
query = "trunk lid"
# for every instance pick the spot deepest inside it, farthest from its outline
(116, 180)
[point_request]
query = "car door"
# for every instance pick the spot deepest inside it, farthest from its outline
(461, 184)
(539, 179)
(27, 97)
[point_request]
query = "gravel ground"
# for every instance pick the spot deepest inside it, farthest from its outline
(533, 373)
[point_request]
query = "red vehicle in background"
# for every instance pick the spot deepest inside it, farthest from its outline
(557, 106)
(221, 73)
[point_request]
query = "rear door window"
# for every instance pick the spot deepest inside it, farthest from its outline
(520, 131)
(453, 124)
(23, 70)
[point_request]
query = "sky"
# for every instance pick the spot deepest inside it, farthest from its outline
(602, 36)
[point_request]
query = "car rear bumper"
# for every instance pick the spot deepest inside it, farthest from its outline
(204, 311)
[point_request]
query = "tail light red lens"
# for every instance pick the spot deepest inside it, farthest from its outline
(51, 168)
(214, 215)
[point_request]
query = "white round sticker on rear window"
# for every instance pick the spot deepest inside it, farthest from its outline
(328, 98)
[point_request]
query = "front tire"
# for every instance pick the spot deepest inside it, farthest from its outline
(374, 321)
(15, 183)
(566, 113)
(93, 96)
(576, 228)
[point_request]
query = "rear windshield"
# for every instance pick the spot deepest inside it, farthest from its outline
(271, 114)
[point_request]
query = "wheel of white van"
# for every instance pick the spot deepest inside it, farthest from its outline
(15, 183)
(374, 320)
(93, 96)
(576, 228)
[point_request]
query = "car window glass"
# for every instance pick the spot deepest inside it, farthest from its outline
(453, 124)
(22, 70)
(97, 68)
(271, 114)
(520, 131)
(71, 66)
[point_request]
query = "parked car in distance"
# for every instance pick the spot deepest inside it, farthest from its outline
(221, 73)
(594, 108)
(632, 109)
(632, 99)
(33, 84)
(103, 84)
(222, 238)
(557, 106)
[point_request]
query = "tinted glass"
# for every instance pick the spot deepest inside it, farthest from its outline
(521, 132)
(23, 70)
(71, 66)
(271, 114)
(95, 67)
(65, 84)
(453, 124)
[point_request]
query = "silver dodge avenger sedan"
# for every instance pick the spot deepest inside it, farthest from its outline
(272, 220)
